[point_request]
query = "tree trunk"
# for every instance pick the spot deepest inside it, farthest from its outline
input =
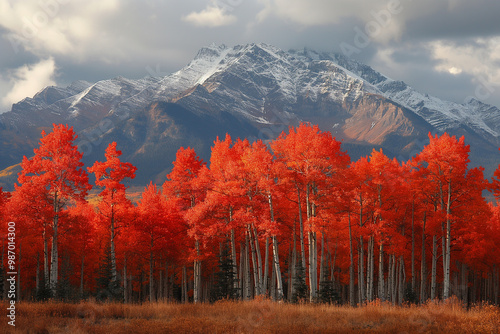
(114, 273)
(184, 285)
(446, 283)
(402, 279)
(37, 279)
(256, 278)
(434, 269)
(241, 282)
(390, 278)
(312, 266)
(151, 283)
(334, 261)
(125, 283)
(423, 269)
(293, 271)
(351, 265)
(381, 295)
(81, 274)
(159, 293)
(233, 257)
(46, 277)
(370, 268)
(276, 260)
(361, 274)
(248, 278)
(496, 288)
(322, 261)
(394, 279)
(301, 227)
(273, 283)
(54, 266)
(167, 285)
(266, 266)
(197, 274)
(259, 262)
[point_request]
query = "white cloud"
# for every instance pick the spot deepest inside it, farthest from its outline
(58, 27)
(27, 80)
(454, 70)
(383, 21)
(212, 16)
(479, 59)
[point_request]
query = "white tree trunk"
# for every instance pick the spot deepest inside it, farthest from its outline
(256, 278)
(402, 280)
(351, 265)
(233, 257)
(423, 269)
(276, 260)
(322, 260)
(361, 272)
(266, 267)
(197, 274)
(434, 269)
(259, 262)
(301, 227)
(446, 283)
(46, 274)
(125, 286)
(151, 282)
(54, 265)
(248, 285)
(381, 294)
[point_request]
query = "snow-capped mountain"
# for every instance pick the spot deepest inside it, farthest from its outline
(253, 90)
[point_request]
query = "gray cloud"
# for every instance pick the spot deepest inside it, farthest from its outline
(419, 42)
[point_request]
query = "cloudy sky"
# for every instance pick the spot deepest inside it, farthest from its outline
(447, 48)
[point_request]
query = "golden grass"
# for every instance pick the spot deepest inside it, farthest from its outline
(257, 316)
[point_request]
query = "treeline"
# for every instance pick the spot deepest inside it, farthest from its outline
(292, 220)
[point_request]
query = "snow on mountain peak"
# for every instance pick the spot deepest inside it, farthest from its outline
(251, 75)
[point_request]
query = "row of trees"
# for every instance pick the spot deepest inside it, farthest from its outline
(295, 219)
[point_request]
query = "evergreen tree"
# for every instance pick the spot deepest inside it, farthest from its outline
(107, 288)
(327, 293)
(64, 289)
(410, 296)
(224, 278)
(43, 293)
(299, 284)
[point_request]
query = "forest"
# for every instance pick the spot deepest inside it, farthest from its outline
(293, 219)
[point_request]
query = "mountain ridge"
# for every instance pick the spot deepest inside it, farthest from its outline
(258, 89)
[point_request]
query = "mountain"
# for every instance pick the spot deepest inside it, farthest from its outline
(253, 91)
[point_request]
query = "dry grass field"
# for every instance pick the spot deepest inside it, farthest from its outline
(257, 316)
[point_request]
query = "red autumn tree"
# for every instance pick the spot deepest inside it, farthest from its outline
(81, 235)
(114, 205)
(445, 167)
(157, 224)
(259, 171)
(186, 186)
(213, 218)
(311, 162)
(57, 168)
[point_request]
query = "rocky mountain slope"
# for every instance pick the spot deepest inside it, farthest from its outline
(254, 91)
